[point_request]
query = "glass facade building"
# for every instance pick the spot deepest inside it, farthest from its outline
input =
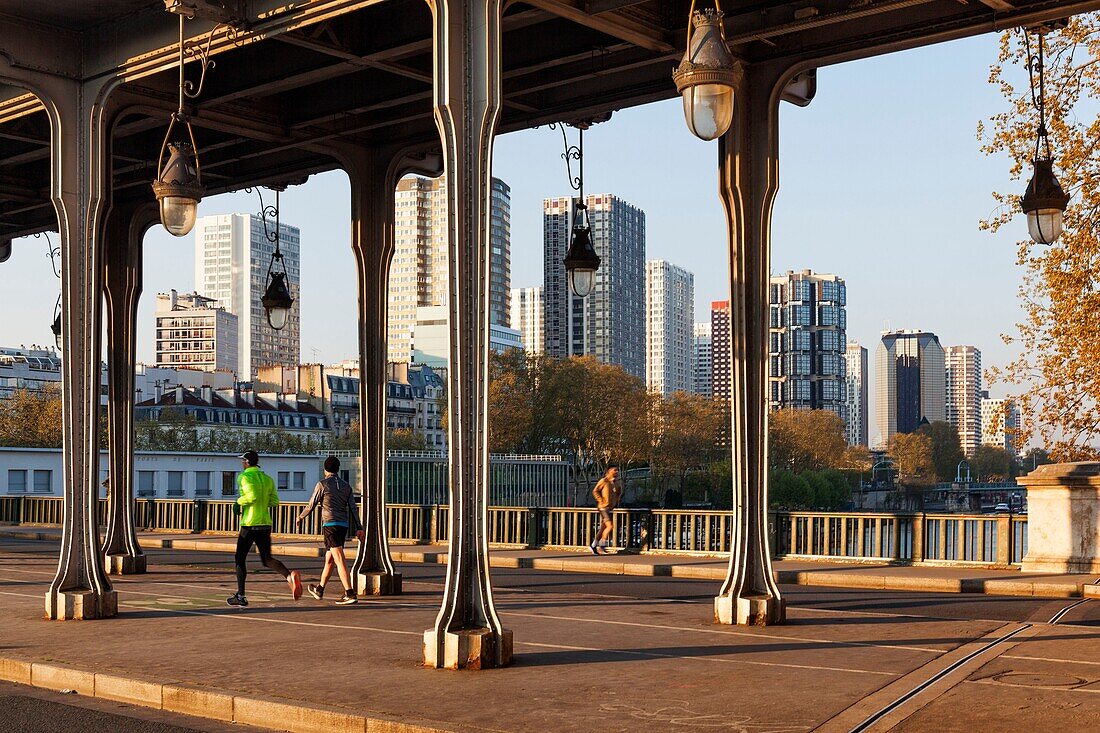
(807, 343)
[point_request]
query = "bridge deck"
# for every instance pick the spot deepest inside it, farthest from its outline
(593, 651)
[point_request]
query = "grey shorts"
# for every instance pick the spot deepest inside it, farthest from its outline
(605, 515)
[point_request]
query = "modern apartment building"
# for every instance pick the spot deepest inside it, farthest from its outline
(1000, 423)
(910, 383)
(963, 376)
(670, 327)
(34, 369)
(855, 377)
(807, 342)
(721, 386)
(527, 317)
(195, 332)
(701, 360)
(232, 256)
(610, 323)
(418, 274)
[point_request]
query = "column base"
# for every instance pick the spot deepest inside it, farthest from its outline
(124, 564)
(378, 584)
(749, 610)
(81, 605)
(468, 649)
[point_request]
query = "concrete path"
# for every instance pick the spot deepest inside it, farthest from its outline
(593, 652)
(931, 578)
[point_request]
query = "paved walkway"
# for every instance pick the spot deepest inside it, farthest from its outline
(932, 578)
(585, 659)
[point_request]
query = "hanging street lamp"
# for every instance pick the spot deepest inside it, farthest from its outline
(707, 75)
(1044, 201)
(277, 300)
(581, 260)
(54, 255)
(178, 186)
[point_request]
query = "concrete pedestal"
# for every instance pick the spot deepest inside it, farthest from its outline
(378, 584)
(1063, 518)
(749, 611)
(81, 605)
(124, 564)
(468, 649)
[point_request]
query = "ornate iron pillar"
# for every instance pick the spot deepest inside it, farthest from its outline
(79, 188)
(466, 50)
(748, 161)
(373, 174)
(124, 232)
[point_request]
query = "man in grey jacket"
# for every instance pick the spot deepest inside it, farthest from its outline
(339, 514)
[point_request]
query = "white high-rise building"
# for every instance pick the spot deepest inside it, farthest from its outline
(963, 365)
(232, 256)
(193, 332)
(910, 383)
(855, 375)
(702, 354)
(1000, 423)
(418, 273)
(527, 317)
(670, 333)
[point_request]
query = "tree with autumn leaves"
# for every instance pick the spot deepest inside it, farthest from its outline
(1059, 338)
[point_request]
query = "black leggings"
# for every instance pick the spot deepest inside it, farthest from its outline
(261, 537)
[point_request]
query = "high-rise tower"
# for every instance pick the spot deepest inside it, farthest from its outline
(610, 323)
(670, 320)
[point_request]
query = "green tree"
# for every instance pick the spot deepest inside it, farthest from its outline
(946, 448)
(31, 419)
(912, 456)
(991, 463)
(405, 439)
(686, 432)
(806, 440)
(789, 491)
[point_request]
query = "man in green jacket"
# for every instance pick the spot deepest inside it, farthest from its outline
(256, 496)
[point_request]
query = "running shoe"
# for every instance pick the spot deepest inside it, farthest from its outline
(348, 599)
(294, 580)
(592, 547)
(316, 591)
(236, 600)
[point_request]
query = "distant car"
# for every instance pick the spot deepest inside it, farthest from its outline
(1001, 508)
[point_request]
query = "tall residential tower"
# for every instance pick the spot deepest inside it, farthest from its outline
(670, 321)
(963, 376)
(855, 375)
(701, 360)
(418, 275)
(808, 322)
(527, 317)
(610, 323)
(232, 255)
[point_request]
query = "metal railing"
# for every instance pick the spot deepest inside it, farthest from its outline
(997, 540)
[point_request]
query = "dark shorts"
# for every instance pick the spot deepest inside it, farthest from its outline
(605, 515)
(334, 535)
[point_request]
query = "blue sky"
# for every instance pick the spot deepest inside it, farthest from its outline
(881, 182)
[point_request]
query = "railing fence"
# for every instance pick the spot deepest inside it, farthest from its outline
(998, 540)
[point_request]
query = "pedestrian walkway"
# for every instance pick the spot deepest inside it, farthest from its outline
(590, 653)
(930, 578)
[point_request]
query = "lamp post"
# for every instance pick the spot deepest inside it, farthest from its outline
(178, 186)
(707, 75)
(54, 254)
(277, 300)
(581, 260)
(1044, 201)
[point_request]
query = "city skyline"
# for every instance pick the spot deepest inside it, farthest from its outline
(939, 248)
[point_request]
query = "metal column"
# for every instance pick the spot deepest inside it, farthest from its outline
(466, 45)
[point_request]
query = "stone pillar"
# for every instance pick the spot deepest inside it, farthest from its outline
(1063, 518)
(79, 154)
(374, 174)
(748, 159)
(466, 40)
(124, 231)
